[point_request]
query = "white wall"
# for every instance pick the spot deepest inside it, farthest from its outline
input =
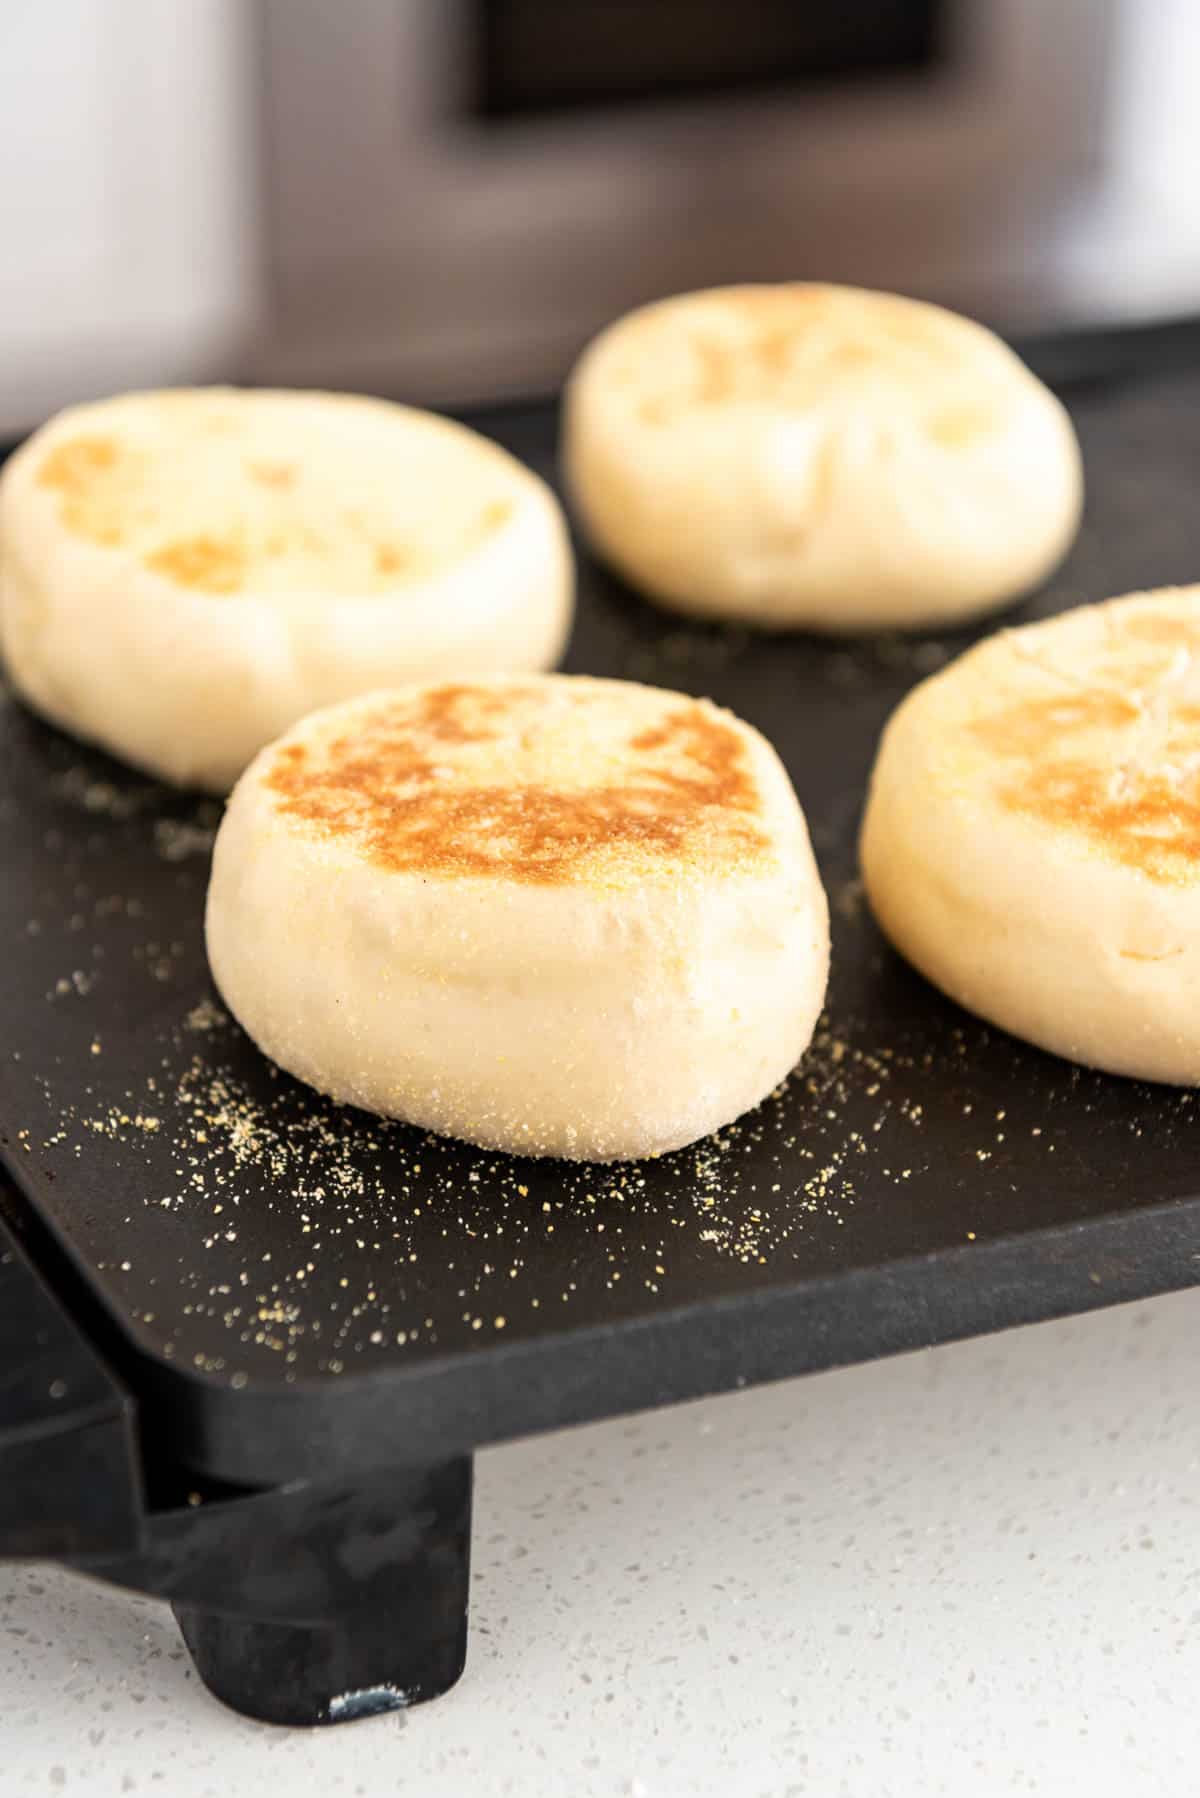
(1133, 248)
(127, 200)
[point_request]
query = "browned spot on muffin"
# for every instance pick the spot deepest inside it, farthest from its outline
(1151, 822)
(956, 425)
(389, 558)
(774, 349)
(784, 343)
(1033, 727)
(209, 564)
(460, 713)
(496, 513)
(1161, 628)
(74, 465)
(281, 475)
(82, 471)
(1120, 768)
(756, 364)
(97, 522)
(717, 371)
(411, 789)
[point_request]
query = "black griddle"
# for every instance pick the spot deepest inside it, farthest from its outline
(256, 1336)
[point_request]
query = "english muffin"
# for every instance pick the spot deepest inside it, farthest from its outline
(552, 915)
(817, 456)
(185, 574)
(1032, 835)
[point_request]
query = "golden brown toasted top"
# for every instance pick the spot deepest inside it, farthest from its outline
(804, 344)
(547, 781)
(1109, 749)
(223, 492)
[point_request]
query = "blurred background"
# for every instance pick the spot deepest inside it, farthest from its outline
(442, 199)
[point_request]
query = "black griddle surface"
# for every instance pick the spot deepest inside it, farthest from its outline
(298, 1283)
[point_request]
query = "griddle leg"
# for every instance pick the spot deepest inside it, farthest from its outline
(398, 1635)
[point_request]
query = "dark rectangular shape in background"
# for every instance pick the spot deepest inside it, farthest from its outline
(537, 58)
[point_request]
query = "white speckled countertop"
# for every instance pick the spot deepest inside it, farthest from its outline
(970, 1571)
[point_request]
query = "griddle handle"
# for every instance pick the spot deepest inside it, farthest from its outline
(69, 1474)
